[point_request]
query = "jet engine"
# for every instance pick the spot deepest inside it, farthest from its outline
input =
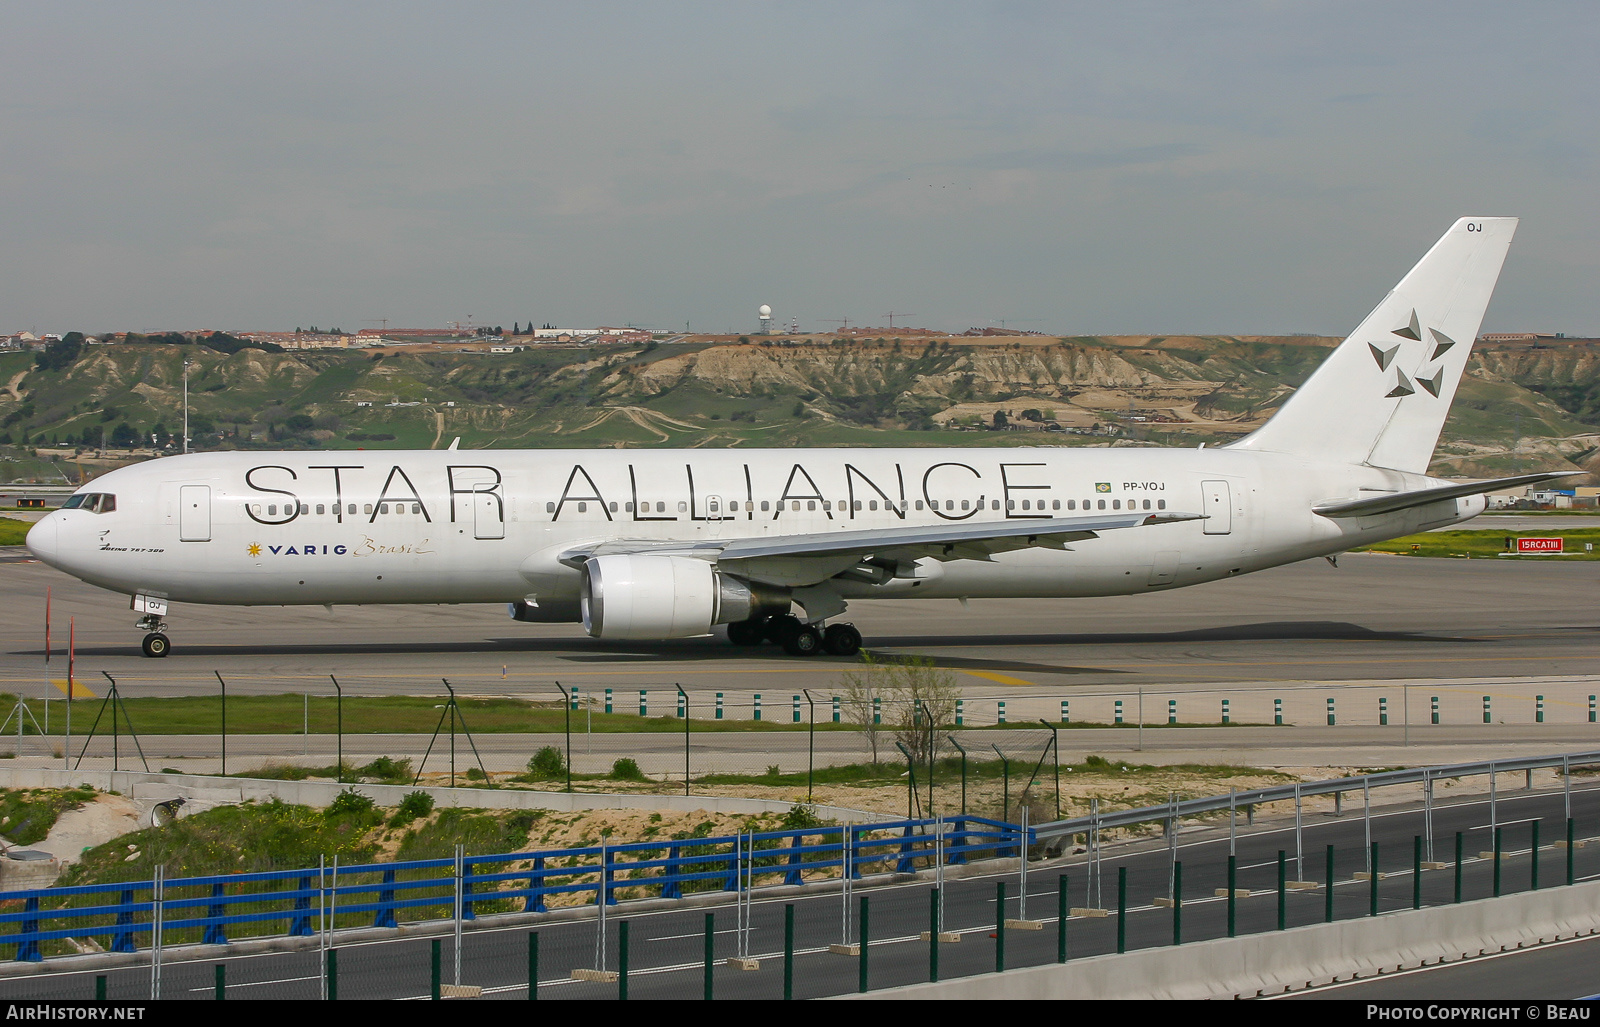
(635, 596)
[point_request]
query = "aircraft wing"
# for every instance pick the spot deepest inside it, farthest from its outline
(807, 558)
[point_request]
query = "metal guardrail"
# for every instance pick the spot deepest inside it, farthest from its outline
(1287, 793)
(120, 912)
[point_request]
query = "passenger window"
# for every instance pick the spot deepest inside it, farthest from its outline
(963, 504)
(949, 504)
(583, 507)
(272, 510)
(628, 506)
(613, 507)
(549, 508)
(994, 505)
(661, 508)
(319, 507)
(1055, 504)
(919, 504)
(811, 504)
(1161, 504)
(682, 506)
(1116, 504)
(794, 504)
(352, 508)
(1011, 504)
(764, 506)
(1072, 504)
(872, 505)
(305, 508)
(255, 508)
(1147, 504)
(383, 508)
(366, 508)
(1102, 504)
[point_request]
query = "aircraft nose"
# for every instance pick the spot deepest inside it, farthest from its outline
(41, 539)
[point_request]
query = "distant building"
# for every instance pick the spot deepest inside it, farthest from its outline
(414, 333)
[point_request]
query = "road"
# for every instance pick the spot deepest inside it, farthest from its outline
(666, 947)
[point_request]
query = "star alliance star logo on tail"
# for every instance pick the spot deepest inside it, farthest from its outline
(1404, 386)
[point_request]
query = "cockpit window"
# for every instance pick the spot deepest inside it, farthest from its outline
(94, 502)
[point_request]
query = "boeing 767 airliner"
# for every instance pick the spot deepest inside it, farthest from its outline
(655, 544)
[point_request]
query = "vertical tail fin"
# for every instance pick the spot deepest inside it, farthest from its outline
(1382, 396)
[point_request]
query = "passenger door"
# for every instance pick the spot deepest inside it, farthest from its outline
(194, 513)
(1218, 508)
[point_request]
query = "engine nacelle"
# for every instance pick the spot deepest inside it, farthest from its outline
(639, 596)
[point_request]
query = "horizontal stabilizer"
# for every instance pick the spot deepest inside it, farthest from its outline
(1406, 500)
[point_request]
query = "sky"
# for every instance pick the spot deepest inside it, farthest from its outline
(1072, 168)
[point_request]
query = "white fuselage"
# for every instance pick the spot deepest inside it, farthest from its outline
(487, 526)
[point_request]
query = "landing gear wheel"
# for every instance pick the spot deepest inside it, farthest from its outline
(805, 640)
(841, 640)
(748, 632)
(778, 629)
(156, 644)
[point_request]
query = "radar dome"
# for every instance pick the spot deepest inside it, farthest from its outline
(764, 310)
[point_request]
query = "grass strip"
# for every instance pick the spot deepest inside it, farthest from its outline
(1487, 544)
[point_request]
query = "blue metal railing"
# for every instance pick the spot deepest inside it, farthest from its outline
(295, 902)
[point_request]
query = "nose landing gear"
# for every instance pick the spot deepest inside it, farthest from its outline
(155, 644)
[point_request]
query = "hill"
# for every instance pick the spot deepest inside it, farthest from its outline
(765, 391)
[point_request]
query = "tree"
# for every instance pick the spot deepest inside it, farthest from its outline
(857, 690)
(1000, 420)
(60, 354)
(124, 435)
(909, 697)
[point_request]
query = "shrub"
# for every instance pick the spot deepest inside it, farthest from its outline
(801, 816)
(349, 801)
(474, 774)
(1099, 762)
(547, 762)
(626, 769)
(389, 771)
(416, 805)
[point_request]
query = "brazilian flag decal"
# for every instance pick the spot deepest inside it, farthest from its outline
(1102, 486)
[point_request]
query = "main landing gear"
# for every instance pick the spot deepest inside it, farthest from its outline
(796, 637)
(155, 644)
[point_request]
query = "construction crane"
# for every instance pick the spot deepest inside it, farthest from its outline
(1016, 320)
(381, 322)
(842, 322)
(891, 315)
